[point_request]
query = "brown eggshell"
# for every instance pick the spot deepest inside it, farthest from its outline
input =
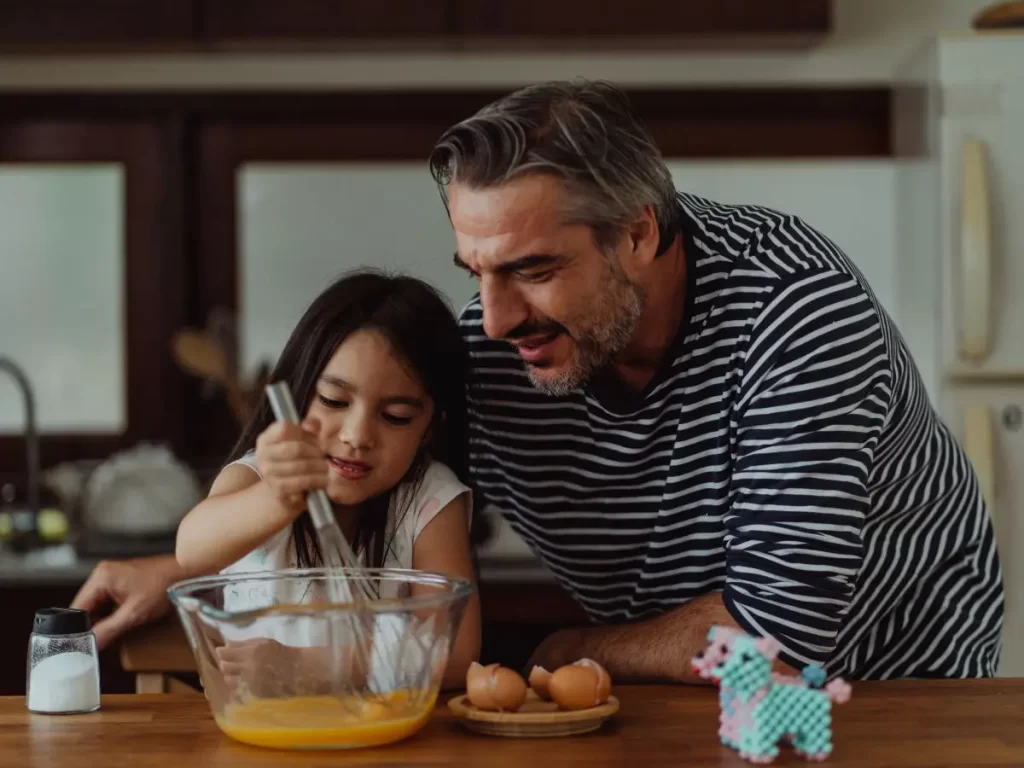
(580, 685)
(509, 689)
(495, 688)
(540, 678)
(478, 685)
(604, 680)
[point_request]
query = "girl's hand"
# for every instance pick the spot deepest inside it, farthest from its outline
(266, 668)
(291, 462)
(263, 666)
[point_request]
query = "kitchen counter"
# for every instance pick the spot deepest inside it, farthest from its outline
(520, 602)
(56, 566)
(922, 723)
(60, 566)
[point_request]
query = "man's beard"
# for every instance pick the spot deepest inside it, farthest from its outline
(605, 330)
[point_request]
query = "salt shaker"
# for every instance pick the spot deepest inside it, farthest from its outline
(63, 663)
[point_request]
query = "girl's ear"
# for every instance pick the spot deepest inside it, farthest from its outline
(428, 436)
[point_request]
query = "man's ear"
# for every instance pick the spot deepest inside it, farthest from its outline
(644, 237)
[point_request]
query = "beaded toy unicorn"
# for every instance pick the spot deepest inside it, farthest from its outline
(759, 708)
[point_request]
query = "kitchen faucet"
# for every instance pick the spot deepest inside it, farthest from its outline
(31, 434)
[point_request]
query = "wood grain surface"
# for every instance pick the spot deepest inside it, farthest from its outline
(907, 723)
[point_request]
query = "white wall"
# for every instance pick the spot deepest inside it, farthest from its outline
(869, 39)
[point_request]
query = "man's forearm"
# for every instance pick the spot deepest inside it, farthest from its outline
(658, 649)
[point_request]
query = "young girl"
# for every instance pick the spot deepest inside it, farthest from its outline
(377, 367)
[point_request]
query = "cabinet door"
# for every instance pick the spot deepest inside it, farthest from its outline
(988, 421)
(91, 290)
(643, 18)
(97, 22)
(304, 20)
(983, 197)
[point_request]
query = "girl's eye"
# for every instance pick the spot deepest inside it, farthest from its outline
(398, 421)
(329, 403)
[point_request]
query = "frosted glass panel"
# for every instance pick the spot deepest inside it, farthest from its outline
(61, 295)
(302, 224)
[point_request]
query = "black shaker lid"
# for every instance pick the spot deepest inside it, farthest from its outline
(61, 621)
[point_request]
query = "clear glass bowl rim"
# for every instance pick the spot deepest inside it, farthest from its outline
(457, 589)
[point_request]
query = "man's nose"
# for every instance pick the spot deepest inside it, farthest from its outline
(504, 309)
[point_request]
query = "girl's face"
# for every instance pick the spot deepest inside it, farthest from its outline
(373, 414)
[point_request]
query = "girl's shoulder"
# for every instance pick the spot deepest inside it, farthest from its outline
(438, 488)
(248, 459)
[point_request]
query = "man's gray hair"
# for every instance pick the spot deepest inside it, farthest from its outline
(586, 133)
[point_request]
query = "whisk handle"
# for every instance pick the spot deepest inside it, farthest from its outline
(283, 405)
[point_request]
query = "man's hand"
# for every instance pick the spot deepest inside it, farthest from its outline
(556, 650)
(137, 588)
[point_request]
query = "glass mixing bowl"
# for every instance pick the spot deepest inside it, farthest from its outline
(285, 666)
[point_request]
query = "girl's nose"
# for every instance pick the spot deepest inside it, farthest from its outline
(358, 431)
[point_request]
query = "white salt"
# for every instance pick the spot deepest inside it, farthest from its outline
(67, 682)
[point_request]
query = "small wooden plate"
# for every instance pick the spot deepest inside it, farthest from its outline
(536, 718)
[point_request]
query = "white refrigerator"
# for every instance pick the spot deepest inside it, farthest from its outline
(958, 122)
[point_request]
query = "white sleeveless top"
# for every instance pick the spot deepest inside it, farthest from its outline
(437, 489)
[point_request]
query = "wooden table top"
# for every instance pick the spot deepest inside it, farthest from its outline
(906, 723)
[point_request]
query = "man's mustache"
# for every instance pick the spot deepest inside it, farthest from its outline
(535, 328)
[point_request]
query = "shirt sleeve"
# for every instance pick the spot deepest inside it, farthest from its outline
(438, 489)
(248, 459)
(813, 400)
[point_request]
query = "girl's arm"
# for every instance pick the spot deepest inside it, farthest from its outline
(240, 513)
(444, 546)
(243, 510)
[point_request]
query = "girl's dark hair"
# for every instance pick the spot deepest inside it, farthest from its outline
(423, 332)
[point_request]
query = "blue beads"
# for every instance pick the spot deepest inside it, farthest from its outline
(760, 709)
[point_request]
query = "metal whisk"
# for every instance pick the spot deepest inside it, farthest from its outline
(334, 547)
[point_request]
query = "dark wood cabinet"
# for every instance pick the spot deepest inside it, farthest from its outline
(181, 154)
(322, 20)
(153, 284)
(643, 18)
(277, 24)
(55, 23)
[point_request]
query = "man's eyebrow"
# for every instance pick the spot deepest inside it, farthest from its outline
(530, 261)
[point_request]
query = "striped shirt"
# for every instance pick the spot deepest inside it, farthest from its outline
(786, 455)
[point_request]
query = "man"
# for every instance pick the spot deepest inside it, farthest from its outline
(697, 413)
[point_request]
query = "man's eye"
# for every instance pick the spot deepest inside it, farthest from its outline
(537, 277)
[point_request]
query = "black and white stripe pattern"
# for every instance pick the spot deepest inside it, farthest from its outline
(788, 456)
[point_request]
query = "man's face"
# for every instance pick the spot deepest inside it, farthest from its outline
(565, 305)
